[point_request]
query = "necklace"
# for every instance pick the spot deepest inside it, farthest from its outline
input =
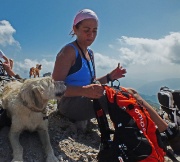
(81, 50)
(87, 61)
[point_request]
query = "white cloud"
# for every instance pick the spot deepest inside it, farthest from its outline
(104, 64)
(143, 50)
(23, 68)
(6, 34)
(145, 59)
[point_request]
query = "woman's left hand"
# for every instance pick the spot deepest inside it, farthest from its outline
(117, 73)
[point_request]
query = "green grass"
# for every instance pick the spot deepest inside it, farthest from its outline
(53, 101)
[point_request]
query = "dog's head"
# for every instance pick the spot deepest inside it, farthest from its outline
(39, 66)
(36, 92)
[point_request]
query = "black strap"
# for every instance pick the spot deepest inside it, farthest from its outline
(102, 123)
(92, 60)
(2, 70)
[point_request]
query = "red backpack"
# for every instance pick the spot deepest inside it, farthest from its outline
(135, 135)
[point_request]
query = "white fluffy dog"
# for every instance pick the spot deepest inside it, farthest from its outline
(26, 104)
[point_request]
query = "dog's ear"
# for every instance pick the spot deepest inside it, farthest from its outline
(37, 97)
(34, 99)
(40, 66)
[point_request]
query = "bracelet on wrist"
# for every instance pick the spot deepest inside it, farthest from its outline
(108, 78)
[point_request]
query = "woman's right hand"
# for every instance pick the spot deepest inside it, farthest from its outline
(94, 91)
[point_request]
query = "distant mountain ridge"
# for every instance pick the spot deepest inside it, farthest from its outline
(152, 100)
(152, 88)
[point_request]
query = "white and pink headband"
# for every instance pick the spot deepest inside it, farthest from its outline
(85, 14)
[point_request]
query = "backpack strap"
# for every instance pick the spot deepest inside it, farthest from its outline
(103, 125)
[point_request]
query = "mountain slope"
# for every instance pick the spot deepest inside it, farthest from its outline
(152, 88)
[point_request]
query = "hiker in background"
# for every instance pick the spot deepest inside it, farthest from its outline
(8, 65)
(75, 65)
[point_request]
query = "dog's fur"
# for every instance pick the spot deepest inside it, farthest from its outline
(25, 104)
(35, 71)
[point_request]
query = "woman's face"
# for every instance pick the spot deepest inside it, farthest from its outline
(86, 31)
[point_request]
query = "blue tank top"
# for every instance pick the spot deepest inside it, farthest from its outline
(79, 74)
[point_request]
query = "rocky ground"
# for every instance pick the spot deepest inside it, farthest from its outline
(70, 141)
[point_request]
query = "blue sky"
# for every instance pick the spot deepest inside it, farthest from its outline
(144, 36)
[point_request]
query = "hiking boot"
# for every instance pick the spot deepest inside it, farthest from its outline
(173, 135)
(17, 76)
(175, 143)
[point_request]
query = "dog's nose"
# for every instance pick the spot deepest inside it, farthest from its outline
(60, 88)
(59, 94)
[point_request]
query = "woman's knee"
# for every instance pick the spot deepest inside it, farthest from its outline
(132, 91)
